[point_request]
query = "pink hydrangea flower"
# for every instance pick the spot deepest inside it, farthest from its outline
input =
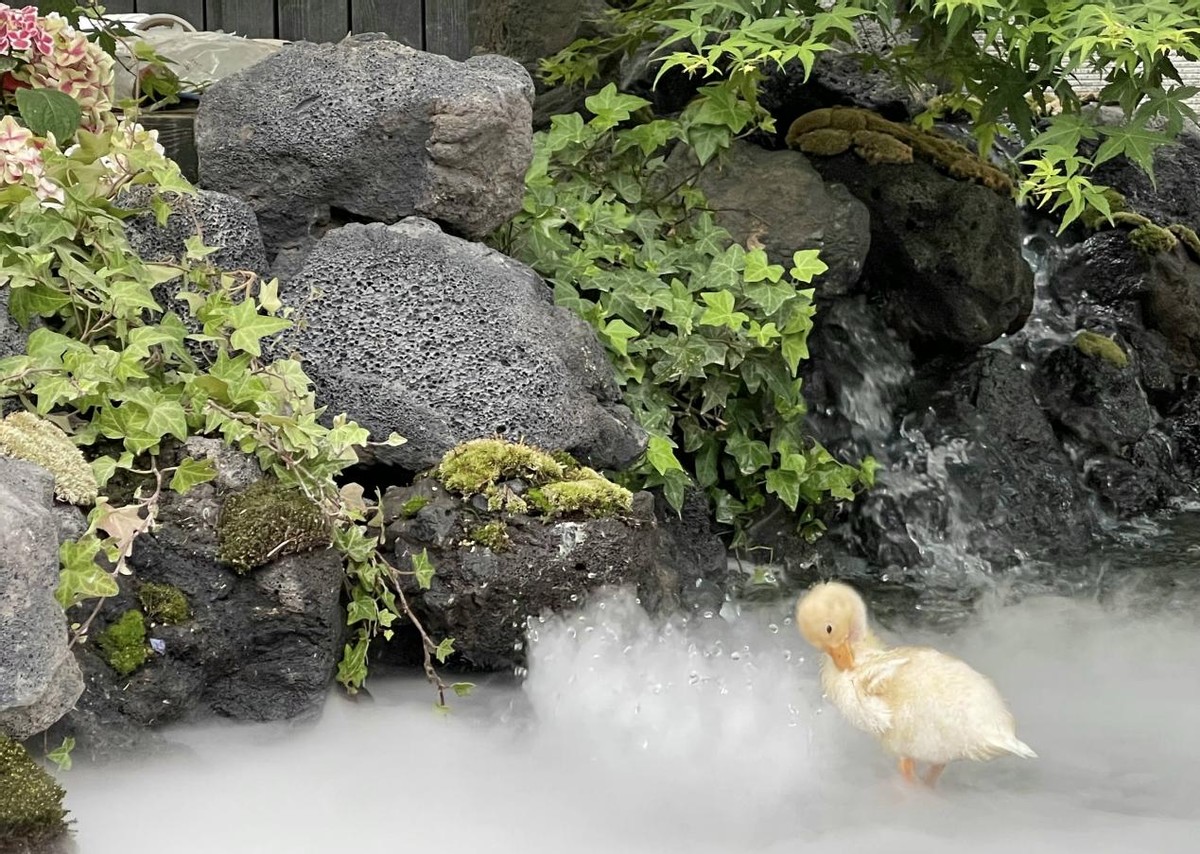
(21, 30)
(21, 163)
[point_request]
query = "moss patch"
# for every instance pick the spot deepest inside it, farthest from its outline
(588, 493)
(493, 535)
(559, 484)
(833, 130)
(31, 811)
(163, 603)
(266, 521)
(1152, 239)
(123, 644)
(473, 467)
(24, 436)
(1101, 347)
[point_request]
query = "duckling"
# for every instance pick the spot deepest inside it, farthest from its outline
(923, 705)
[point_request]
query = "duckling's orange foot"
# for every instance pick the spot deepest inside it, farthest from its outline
(908, 769)
(932, 775)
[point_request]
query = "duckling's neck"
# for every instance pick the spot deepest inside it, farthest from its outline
(870, 641)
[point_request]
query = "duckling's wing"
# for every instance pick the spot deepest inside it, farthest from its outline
(876, 672)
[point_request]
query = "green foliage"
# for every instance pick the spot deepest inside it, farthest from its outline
(128, 378)
(412, 506)
(31, 811)
(25, 436)
(268, 520)
(48, 111)
(997, 60)
(492, 535)
(1101, 347)
(123, 643)
(707, 336)
(163, 603)
(475, 466)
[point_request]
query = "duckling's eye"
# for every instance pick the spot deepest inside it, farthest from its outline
(829, 630)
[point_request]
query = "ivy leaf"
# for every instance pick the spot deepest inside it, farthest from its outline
(462, 689)
(661, 455)
(786, 485)
(619, 333)
(444, 650)
(61, 755)
(249, 327)
(795, 350)
(720, 311)
(192, 472)
(423, 569)
(48, 111)
(807, 265)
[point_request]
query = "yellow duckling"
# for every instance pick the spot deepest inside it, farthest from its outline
(922, 705)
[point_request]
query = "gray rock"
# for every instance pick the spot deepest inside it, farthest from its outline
(945, 254)
(224, 222)
(39, 680)
(258, 647)
(12, 337)
(442, 340)
(368, 129)
(1172, 197)
(777, 199)
(483, 599)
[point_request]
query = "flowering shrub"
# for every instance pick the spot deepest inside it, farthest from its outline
(23, 164)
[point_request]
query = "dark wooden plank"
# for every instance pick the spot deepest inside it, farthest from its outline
(314, 20)
(448, 27)
(251, 18)
(400, 19)
(191, 11)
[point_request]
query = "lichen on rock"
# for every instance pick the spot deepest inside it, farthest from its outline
(474, 467)
(25, 436)
(123, 643)
(31, 810)
(268, 520)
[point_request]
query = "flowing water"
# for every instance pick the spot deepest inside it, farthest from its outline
(634, 735)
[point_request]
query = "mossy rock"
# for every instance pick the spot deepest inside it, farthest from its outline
(164, 603)
(123, 643)
(1101, 347)
(413, 506)
(829, 131)
(31, 810)
(266, 521)
(588, 494)
(473, 467)
(1153, 239)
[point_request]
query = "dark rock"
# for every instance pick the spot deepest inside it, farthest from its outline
(1011, 475)
(222, 221)
(39, 680)
(1173, 306)
(370, 128)
(12, 336)
(1182, 428)
(1172, 197)
(484, 599)
(1099, 402)
(1128, 489)
(443, 341)
(945, 254)
(777, 199)
(258, 647)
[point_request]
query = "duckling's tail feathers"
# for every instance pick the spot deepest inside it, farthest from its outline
(1016, 747)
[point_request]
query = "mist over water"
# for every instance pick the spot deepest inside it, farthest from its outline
(636, 735)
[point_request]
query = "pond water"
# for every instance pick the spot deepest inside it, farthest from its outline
(633, 735)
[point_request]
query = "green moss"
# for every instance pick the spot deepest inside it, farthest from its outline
(1153, 239)
(1101, 347)
(591, 494)
(412, 506)
(266, 521)
(1095, 220)
(31, 811)
(1187, 237)
(824, 142)
(123, 643)
(473, 467)
(493, 535)
(25, 436)
(163, 603)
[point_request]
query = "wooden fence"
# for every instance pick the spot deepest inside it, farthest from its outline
(438, 26)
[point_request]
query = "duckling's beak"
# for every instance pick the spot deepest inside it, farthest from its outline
(842, 656)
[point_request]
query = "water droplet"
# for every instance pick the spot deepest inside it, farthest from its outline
(773, 629)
